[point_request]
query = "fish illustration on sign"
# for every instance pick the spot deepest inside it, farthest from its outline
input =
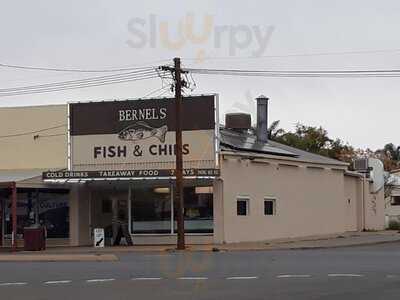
(142, 130)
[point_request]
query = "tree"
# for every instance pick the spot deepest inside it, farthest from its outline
(390, 156)
(274, 131)
(316, 140)
(313, 139)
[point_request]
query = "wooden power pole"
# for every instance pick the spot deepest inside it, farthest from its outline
(179, 203)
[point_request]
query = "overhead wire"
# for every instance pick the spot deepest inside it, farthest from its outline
(103, 70)
(83, 83)
(75, 86)
(299, 73)
(164, 91)
(32, 132)
(355, 52)
(89, 79)
(154, 92)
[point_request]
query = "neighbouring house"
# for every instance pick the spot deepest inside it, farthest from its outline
(392, 201)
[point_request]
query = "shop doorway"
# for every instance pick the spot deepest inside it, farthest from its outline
(109, 205)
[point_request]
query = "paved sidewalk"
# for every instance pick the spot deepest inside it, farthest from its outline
(347, 239)
(45, 257)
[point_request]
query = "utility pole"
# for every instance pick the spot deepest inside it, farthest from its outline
(178, 195)
(179, 204)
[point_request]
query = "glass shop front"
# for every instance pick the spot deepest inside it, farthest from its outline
(45, 207)
(149, 209)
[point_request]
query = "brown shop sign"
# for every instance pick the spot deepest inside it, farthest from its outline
(140, 134)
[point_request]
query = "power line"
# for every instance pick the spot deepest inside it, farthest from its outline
(167, 89)
(103, 70)
(355, 52)
(48, 135)
(84, 80)
(77, 86)
(150, 73)
(299, 73)
(154, 91)
(32, 132)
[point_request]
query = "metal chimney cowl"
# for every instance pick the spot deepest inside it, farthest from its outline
(262, 119)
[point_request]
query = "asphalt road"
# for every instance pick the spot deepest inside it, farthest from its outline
(371, 272)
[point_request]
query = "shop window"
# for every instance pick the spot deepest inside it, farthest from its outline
(198, 209)
(395, 200)
(242, 206)
(269, 206)
(151, 210)
(47, 207)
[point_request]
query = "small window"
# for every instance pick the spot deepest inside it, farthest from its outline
(395, 200)
(242, 206)
(269, 207)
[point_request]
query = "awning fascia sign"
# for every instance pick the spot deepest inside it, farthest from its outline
(126, 174)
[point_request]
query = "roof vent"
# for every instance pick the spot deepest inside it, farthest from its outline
(361, 165)
(238, 121)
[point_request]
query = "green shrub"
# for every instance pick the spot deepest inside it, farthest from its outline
(394, 225)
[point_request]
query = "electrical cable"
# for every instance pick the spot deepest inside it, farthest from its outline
(89, 79)
(32, 132)
(153, 92)
(84, 83)
(77, 86)
(356, 52)
(4, 65)
(299, 73)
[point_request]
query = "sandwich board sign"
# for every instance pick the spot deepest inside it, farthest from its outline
(132, 135)
(99, 237)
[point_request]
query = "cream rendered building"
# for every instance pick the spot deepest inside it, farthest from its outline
(265, 190)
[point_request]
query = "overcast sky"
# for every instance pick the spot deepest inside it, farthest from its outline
(111, 34)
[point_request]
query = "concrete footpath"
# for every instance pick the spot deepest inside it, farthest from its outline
(347, 239)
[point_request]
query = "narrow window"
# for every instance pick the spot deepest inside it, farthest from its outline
(395, 200)
(269, 207)
(242, 206)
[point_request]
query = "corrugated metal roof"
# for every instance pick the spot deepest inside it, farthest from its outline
(247, 142)
(241, 141)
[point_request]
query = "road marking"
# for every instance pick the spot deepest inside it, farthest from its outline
(100, 280)
(12, 283)
(293, 276)
(147, 278)
(192, 278)
(57, 282)
(391, 276)
(345, 275)
(241, 277)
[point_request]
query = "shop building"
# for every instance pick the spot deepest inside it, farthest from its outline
(70, 164)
